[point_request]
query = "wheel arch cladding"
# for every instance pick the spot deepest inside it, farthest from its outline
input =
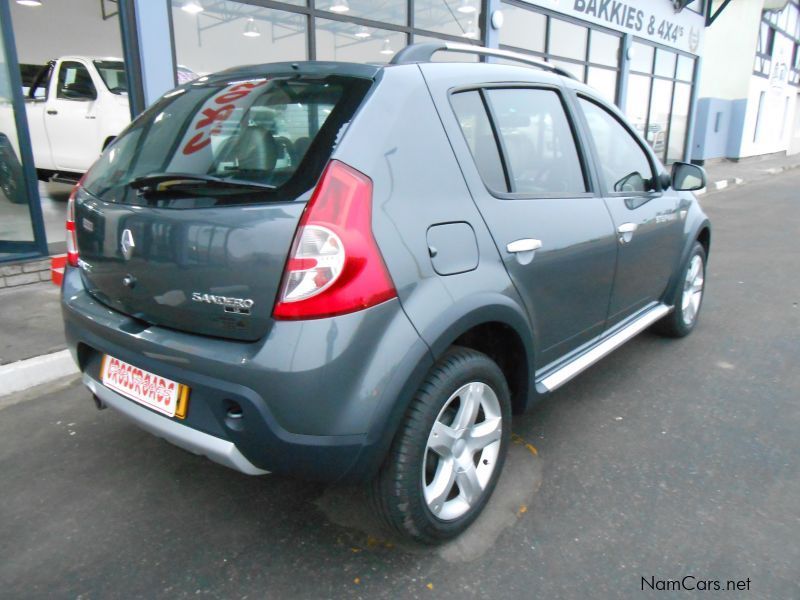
(501, 333)
(704, 237)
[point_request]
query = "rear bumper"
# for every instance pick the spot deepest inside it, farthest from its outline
(320, 399)
(219, 450)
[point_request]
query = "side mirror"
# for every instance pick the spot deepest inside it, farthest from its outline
(687, 177)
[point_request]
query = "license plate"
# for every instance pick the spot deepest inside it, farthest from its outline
(153, 391)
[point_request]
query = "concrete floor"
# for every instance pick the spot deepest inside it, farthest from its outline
(671, 458)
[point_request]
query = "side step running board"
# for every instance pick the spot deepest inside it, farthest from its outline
(562, 375)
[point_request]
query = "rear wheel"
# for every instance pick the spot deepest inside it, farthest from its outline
(448, 454)
(687, 298)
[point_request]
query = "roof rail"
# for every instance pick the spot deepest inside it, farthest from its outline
(417, 53)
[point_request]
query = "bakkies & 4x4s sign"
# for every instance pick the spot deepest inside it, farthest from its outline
(655, 20)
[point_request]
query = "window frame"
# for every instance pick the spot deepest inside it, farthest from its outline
(581, 150)
(606, 190)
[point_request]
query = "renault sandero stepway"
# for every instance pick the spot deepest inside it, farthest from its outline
(360, 273)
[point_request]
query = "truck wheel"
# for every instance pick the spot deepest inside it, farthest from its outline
(447, 456)
(687, 298)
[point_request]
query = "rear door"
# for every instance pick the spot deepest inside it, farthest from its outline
(71, 119)
(528, 175)
(647, 219)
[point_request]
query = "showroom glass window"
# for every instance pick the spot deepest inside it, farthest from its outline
(658, 100)
(16, 224)
(217, 34)
(591, 54)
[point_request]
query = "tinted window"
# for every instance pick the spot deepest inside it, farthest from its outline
(542, 157)
(474, 122)
(74, 82)
(262, 131)
(623, 162)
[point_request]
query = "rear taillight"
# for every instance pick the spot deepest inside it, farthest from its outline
(334, 265)
(72, 232)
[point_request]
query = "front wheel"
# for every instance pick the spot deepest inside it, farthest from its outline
(687, 298)
(447, 456)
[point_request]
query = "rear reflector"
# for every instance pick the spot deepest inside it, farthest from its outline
(334, 266)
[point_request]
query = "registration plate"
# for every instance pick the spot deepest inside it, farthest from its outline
(153, 391)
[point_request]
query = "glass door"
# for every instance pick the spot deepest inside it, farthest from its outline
(21, 228)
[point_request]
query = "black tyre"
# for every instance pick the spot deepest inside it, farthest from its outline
(447, 456)
(687, 297)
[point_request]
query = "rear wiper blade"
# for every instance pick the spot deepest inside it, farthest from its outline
(163, 182)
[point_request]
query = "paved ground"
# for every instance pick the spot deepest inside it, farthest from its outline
(30, 317)
(671, 458)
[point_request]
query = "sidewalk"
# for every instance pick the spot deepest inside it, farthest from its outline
(727, 173)
(32, 346)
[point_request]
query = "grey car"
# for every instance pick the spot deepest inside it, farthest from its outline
(349, 272)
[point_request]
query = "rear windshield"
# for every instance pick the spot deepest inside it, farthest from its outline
(275, 132)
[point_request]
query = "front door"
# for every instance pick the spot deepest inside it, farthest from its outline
(647, 219)
(556, 237)
(71, 119)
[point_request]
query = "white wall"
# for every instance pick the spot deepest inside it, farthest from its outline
(60, 27)
(730, 47)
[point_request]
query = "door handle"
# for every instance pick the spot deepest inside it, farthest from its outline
(524, 250)
(524, 245)
(625, 232)
(52, 112)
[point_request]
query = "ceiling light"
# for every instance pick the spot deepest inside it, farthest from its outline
(339, 6)
(363, 33)
(466, 7)
(192, 7)
(387, 47)
(251, 29)
(30, 2)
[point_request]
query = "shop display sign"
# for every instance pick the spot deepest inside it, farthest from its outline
(655, 20)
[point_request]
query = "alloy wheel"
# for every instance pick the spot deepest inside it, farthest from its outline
(462, 450)
(693, 290)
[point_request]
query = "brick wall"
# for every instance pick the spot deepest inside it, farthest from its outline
(24, 273)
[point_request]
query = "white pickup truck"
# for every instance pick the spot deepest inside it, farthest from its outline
(76, 106)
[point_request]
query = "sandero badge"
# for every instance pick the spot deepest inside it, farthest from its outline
(239, 306)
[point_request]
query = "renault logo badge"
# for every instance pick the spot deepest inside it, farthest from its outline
(127, 244)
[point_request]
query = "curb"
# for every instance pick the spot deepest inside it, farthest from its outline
(21, 375)
(721, 184)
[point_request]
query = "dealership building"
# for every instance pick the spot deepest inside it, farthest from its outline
(644, 55)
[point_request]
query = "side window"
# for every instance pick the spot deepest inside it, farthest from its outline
(624, 163)
(474, 121)
(74, 82)
(538, 142)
